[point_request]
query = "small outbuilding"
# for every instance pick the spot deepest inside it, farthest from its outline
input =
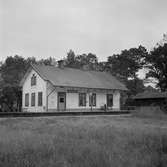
(150, 98)
(50, 88)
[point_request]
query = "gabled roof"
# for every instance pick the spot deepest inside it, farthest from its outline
(78, 78)
(151, 95)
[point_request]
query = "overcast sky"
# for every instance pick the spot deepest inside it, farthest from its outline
(43, 28)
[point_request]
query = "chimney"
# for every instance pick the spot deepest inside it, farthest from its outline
(85, 67)
(61, 63)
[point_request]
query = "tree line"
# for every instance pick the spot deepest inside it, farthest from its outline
(124, 66)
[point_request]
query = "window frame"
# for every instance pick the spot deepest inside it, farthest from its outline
(33, 100)
(82, 96)
(33, 80)
(92, 100)
(40, 99)
(26, 102)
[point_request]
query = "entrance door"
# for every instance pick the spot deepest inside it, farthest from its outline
(61, 101)
(109, 100)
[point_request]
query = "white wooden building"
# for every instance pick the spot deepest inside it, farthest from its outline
(49, 88)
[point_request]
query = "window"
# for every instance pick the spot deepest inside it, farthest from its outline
(26, 99)
(82, 99)
(61, 99)
(39, 98)
(109, 100)
(33, 80)
(32, 99)
(92, 100)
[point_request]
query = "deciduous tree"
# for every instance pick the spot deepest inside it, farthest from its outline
(79, 61)
(11, 72)
(156, 62)
(128, 63)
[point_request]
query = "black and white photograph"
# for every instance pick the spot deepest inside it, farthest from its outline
(83, 83)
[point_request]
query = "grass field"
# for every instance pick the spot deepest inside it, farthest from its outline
(97, 141)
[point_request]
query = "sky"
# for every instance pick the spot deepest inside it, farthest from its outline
(44, 28)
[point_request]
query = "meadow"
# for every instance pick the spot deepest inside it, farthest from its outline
(83, 141)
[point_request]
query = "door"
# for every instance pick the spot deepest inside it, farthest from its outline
(61, 101)
(109, 100)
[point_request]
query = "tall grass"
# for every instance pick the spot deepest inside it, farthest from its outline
(150, 112)
(81, 142)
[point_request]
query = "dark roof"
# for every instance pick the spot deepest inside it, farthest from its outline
(78, 78)
(151, 95)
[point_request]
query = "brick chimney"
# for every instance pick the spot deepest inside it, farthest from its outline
(61, 63)
(85, 67)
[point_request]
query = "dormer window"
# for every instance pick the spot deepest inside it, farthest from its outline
(33, 80)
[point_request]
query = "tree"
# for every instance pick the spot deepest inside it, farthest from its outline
(101, 66)
(128, 63)
(71, 60)
(163, 41)
(48, 62)
(30, 60)
(90, 60)
(9, 97)
(156, 62)
(125, 66)
(12, 72)
(135, 86)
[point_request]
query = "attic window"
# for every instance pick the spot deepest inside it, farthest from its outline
(33, 80)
